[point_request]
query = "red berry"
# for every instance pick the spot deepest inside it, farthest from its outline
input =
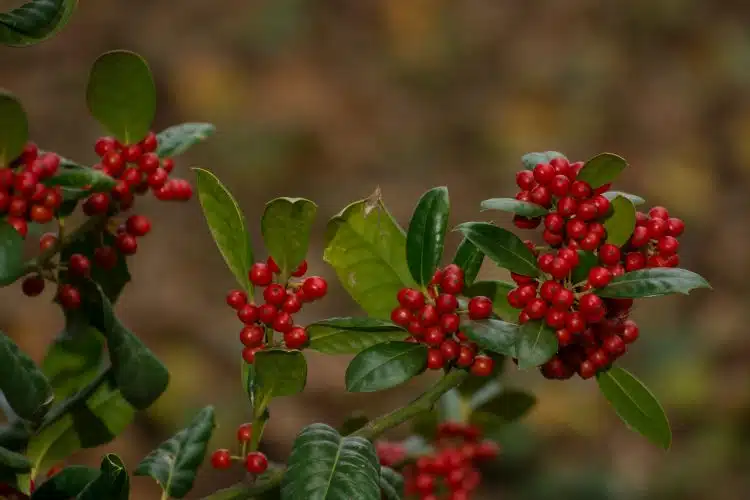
(248, 354)
(575, 322)
(554, 222)
(105, 257)
(659, 213)
(33, 286)
(549, 290)
(541, 196)
(564, 337)
(314, 287)
(18, 207)
(576, 229)
(560, 186)
(587, 210)
(544, 173)
(97, 203)
(634, 261)
(434, 336)
(126, 243)
(580, 190)
(260, 274)
(590, 242)
(482, 366)
(138, 225)
(79, 265)
(567, 206)
(105, 144)
(587, 369)
(428, 315)
(424, 483)
(40, 214)
(267, 313)
(536, 308)
(590, 303)
(236, 299)
(668, 245)
(272, 265)
(452, 283)
(656, 228)
(244, 433)
(563, 299)
(291, 304)
(446, 303)
(149, 143)
(599, 277)
(221, 459)
(132, 153)
(614, 345)
(555, 318)
(552, 239)
(296, 338)
(247, 313)
(630, 332)
(675, 226)
(544, 262)
(569, 255)
(301, 269)
(157, 178)
(435, 360)
(274, 294)
(411, 299)
(401, 316)
(69, 297)
(465, 357)
(480, 308)
(609, 254)
(450, 322)
(562, 165)
(559, 268)
(283, 322)
(252, 336)
(148, 163)
(256, 462)
(525, 180)
(450, 349)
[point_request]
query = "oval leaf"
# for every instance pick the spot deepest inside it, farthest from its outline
(653, 282)
(493, 335)
(635, 405)
(586, 260)
(469, 258)
(391, 484)
(537, 343)
(509, 405)
(34, 21)
(426, 237)
(177, 139)
(121, 95)
(635, 199)
(514, 206)
(531, 160)
(13, 460)
(286, 226)
(25, 387)
(174, 463)
(67, 483)
(621, 223)
(497, 291)
(602, 169)
(325, 466)
(385, 365)
(277, 373)
(351, 335)
(227, 225)
(11, 254)
(503, 247)
(112, 483)
(93, 180)
(14, 126)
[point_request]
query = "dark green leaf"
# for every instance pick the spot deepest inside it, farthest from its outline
(11, 254)
(636, 200)
(514, 206)
(67, 483)
(121, 95)
(391, 484)
(94, 180)
(248, 380)
(325, 466)
(653, 282)
(14, 126)
(278, 373)
(177, 139)
(227, 225)
(385, 365)
(531, 160)
(469, 258)
(586, 260)
(14, 460)
(14, 436)
(353, 423)
(493, 335)
(367, 249)
(175, 462)
(112, 483)
(635, 405)
(34, 21)
(503, 247)
(497, 292)
(351, 335)
(286, 226)
(426, 237)
(26, 388)
(112, 281)
(537, 343)
(509, 405)
(602, 169)
(621, 223)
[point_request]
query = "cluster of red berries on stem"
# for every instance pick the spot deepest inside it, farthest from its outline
(255, 461)
(280, 302)
(434, 319)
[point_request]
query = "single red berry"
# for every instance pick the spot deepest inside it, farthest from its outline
(544, 262)
(138, 225)
(104, 145)
(25, 183)
(590, 242)
(157, 178)
(609, 254)
(673, 261)
(450, 322)
(450, 349)
(296, 338)
(236, 299)
(554, 222)
(47, 241)
(260, 274)
(301, 269)
(570, 255)
(525, 180)
(634, 261)
(549, 290)
(428, 315)
(675, 226)
(97, 203)
(274, 294)
(541, 196)
(252, 336)
(272, 265)
(221, 459)
(536, 308)
(523, 196)
(552, 239)
(126, 243)
(480, 308)
(283, 322)
(411, 299)
(525, 293)
(401, 316)
(291, 304)
(590, 303)
(559, 268)
(657, 228)
(244, 433)
(53, 198)
(248, 313)
(659, 213)
(580, 190)
(555, 318)
(587, 369)
(544, 173)
(132, 153)
(560, 186)
(446, 303)
(614, 345)
(33, 286)
(562, 166)
(79, 265)
(248, 353)
(18, 207)
(630, 332)
(267, 313)
(587, 210)
(576, 229)
(105, 257)
(600, 358)
(69, 297)
(564, 337)
(668, 245)
(563, 299)
(434, 336)
(465, 357)
(113, 161)
(148, 163)
(40, 214)
(315, 287)
(424, 483)
(482, 366)
(575, 322)
(149, 143)
(567, 206)
(599, 277)
(167, 164)
(435, 360)
(452, 283)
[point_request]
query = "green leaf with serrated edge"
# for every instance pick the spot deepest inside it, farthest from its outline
(586, 260)
(493, 335)
(391, 484)
(469, 258)
(121, 95)
(14, 460)
(367, 249)
(653, 282)
(611, 195)
(278, 373)
(602, 169)
(531, 160)
(635, 405)
(227, 225)
(509, 405)
(351, 335)
(514, 206)
(14, 126)
(175, 462)
(34, 21)
(112, 281)
(286, 225)
(325, 466)
(385, 365)
(95, 180)
(112, 482)
(425, 239)
(503, 247)
(11, 254)
(537, 343)
(353, 423)
(67, 483)
(177, 139)
(26, 388)
(621, 223)
(497, 292)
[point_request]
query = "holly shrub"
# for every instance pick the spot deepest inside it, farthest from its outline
(565, 313)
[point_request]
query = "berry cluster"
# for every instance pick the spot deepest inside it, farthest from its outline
(449, 472)
(435, 320)
(255, 461)
(281, 301)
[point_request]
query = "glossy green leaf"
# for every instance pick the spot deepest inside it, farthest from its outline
(14, 126)
(325, 466)
(635, 199)
(493, 335)
(14, 460)
(621, 223)
(112, 482)
(121, 95)
(602, 169)
(353, 423)
(537, 343)
(514, 206)
(175, 462)
(503, 247)
(278, 373)
(425, 239)
(391, 484)
(177, 139)
(67, 483)
(26, 388)
(509, 405)
(385, 365)
(635, 405)
(286, 227)
(351, 335)
(531, 160)
(367, 249)
(227, 225)
(78, 178)
(469, 258)
(586, 260)
(34, 21)
(653, 282)
(497, 292)
(11, 254)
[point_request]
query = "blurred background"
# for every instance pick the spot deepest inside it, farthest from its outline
(326, 100)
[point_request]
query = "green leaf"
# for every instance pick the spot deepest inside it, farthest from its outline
(286, 227)
(248, 380)
(278, 373)
(11, 254)
(34, 22)
(653, 282)
(121, 95)
(353, 423)
(602, 169)
(325, 466)
(586, 260)
(635, 199)
(367, 249)
(621, 223)
(67, 483)
(351, 335)
(112, 483)
(391, 484)
(385, 365)
(512, 205)
(493, 335)
(509, 405)
(503, 247)
(227, 225)
(112, 281)
(426, 237)
(537, 343)
(26, 388)
(78, 178)
(497, 291)
(635, 405)
(177, 139)
(14, 460)
(175, 462)
(531, 160)
(14, 126)
(469, 258)
(450, 407)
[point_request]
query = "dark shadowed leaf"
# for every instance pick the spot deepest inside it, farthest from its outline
(278, 373)
(34, 21)
(537, 343)
(351, 335)
(177, 139)
(586, 260)
(497, 292)
(509, 405)
(469, 258)
(514, 206)
(385, 365)
(353, 423)
(602, 169)
(26, 388)
(493, 335)
(503, 247)
(67, 483)
(14, 126)
(112, 482)
(112, 281)
(426, 237)
(621, 223)
(286, 227)
(653, 282)
(11, 254)
(14, 460)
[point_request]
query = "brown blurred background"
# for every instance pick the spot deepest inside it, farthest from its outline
(327, 99)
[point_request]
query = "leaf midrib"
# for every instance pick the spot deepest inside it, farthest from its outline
(388, 360)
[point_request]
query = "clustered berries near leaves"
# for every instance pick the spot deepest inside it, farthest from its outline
(255, 462)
